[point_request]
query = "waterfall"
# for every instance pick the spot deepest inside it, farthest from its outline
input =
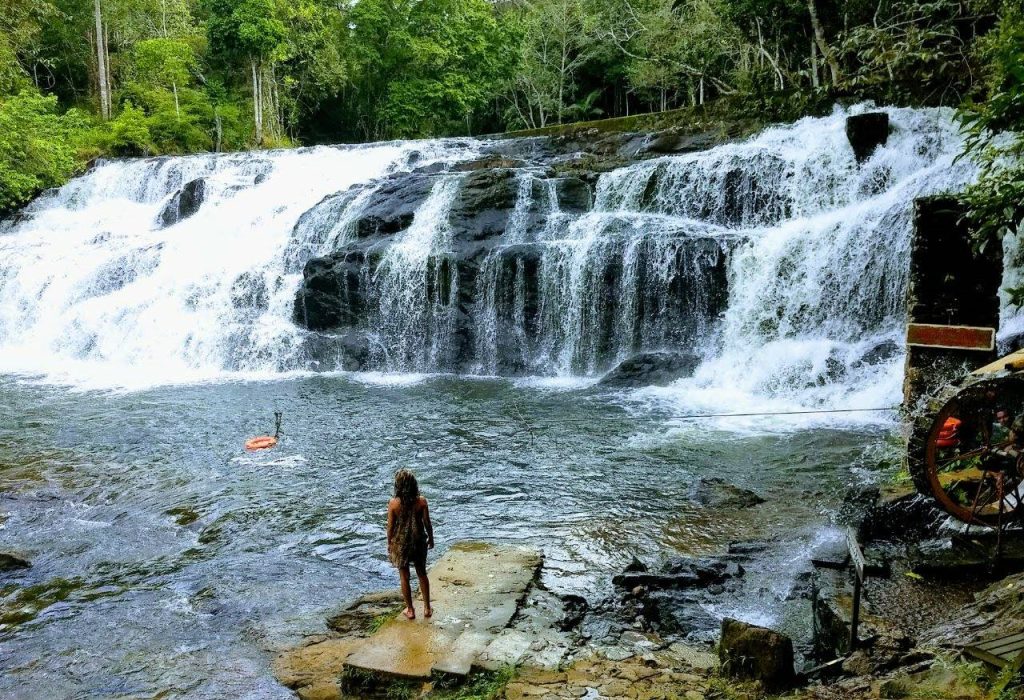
(779, 262)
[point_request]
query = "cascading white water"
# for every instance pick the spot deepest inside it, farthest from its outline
(779, 261)
(93, 292)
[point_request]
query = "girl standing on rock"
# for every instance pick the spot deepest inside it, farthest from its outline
(410, 535)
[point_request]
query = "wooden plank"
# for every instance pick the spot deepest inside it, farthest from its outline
(1014, 362)
(856, 555)
(982, 655)
(1000, 651)
(929, 335)
(1003, 645)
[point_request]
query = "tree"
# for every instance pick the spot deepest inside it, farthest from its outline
(424, 67)
(995, 137)
(38, 145)
(250, 32)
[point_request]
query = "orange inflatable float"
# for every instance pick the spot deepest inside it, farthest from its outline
(265, 442)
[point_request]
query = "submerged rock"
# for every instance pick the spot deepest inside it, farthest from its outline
(715, 492)
(9, 561)
(183, 203)
(757, 653)
(657, 368)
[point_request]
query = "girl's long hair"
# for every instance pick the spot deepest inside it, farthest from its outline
(406, 488)
(407, 491)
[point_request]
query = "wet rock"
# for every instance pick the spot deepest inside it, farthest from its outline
(878, 354)
(677, 572)
(9, 561)
(488, 163)
(575, 608)
(757, 653)
(902, 516)
(331, 294)
(349, 351)
(249, 291)
(483, 204)
(574, 195)
(866, 132)
(657, 368)
(183, 203)
(392, 207)
(678, 141)
(715, 492)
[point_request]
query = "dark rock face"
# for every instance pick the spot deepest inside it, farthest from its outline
(481, 209)
(757, 653)
(183, 204)
(657, 368)
(714, 492)
(574, 195)
(392, 207)
(866, 132)
(331, 295)
(341, 290)
(9, 561)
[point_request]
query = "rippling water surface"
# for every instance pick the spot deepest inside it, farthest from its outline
(166, 558)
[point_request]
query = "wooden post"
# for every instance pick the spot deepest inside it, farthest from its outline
(857, 559)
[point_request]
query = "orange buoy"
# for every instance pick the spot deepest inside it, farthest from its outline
(265, 442)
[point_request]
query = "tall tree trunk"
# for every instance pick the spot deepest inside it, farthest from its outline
(257, 108)
(702, 89)
(814, 64)
(819, 37)
(177, 107)
(101, 63)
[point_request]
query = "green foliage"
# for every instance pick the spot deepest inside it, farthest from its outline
(38, 145)
(995, 136)
(481, 685)
(129, 133)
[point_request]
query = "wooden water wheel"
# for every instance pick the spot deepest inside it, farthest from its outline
(967, 450)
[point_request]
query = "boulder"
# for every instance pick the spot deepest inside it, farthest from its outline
(866, 132)
(715, 492)
(331, 295)
(677, 572)
(756, 653)
(574, 195)
(183, 203)
(392, 206)
(879, 353)
(657, 368)
(483, 204)
(9, 561)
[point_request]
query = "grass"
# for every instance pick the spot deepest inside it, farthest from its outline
(382, 619)
(481, 685)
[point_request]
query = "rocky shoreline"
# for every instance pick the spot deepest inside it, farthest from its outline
(632, 644)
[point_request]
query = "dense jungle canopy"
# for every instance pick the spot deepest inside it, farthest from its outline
(84, 78)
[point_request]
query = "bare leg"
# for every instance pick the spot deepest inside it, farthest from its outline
(403, 576)
(421, 573)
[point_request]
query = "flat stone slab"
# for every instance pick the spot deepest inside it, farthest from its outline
(475, 590)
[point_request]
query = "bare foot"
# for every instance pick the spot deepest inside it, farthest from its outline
(410, 614)
(428, 611)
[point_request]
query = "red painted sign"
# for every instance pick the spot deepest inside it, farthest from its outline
(927, 335)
